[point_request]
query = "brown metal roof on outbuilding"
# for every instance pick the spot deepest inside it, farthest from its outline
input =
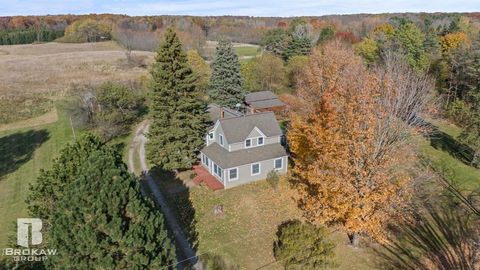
(263, 99)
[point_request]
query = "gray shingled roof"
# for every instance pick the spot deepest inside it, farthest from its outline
(214, 111)
(262, 100)
(261, 95)
(236, 129)
(226, 159)
(262, 104)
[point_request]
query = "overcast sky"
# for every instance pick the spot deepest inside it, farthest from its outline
(238, 7)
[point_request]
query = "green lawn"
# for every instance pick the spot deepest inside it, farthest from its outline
(244, 234)
(246, 51)
(446, 155)
(23, 153)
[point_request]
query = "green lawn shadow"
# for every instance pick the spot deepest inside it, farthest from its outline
(16, 149)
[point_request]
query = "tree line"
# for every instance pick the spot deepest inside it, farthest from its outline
(30, 35)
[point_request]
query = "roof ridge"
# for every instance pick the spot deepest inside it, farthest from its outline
(246, 115)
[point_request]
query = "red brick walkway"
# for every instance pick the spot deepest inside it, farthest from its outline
(203, 176)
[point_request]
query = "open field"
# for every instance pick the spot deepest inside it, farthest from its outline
(24, 152)
(51, 68)
(34, 78)
(243, 50)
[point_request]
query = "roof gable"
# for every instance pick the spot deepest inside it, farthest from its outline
(256, 132)
(238, 128)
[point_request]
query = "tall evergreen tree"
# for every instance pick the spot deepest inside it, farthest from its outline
(179, 114)
(226, 84)
(298, 46)
(104, 222)
(94, 214)
(50, 185)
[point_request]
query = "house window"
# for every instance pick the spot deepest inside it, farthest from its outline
(217, 170)
(205, 160)
(233, 174)
(260, 141)
(210, 135)
(256, 169)
(220, 136)
(278, 163)
(248, 143)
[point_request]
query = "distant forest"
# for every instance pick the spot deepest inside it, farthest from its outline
(144, 32)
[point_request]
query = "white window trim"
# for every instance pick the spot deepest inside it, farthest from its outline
(251, 143)
(259, 169)
(219, 169)
(232, 179)
(210, 135)
(263, 140)
(274, 163)
(220, 139)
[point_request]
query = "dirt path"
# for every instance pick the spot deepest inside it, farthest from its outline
(138, 146)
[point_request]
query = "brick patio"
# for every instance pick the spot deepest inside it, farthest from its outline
(203, 176)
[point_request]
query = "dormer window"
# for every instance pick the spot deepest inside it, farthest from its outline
(220, 138)
(260, 141)
(248, 142)
(210, 135)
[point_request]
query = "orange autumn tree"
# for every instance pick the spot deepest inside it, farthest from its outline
(347, 137)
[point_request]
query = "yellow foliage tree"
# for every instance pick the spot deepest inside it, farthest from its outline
(384, 29)
(342, 139)
(452, 41)
(200, 68)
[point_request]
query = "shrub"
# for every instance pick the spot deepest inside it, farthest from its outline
(110, 109)
(303, 246)
(273, 179)
(458, 112)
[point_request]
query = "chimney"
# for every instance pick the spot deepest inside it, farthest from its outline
(222, 113)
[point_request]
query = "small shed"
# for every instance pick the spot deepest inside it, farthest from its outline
(263, 101)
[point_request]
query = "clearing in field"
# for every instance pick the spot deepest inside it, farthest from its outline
(53, 67)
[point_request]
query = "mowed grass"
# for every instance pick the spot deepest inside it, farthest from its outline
(24, 152)
(249, 51)
(244, 234)
(446, 162)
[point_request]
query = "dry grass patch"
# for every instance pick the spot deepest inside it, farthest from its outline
(44, 119)
(18, 108)
(53, 67)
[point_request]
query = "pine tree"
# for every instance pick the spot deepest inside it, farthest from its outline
(50, 185)
(179, 115)
(226, 84)
(94, 214)
(104, 222)
(298, 46)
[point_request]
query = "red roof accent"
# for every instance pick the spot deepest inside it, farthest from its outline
(203, 176)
